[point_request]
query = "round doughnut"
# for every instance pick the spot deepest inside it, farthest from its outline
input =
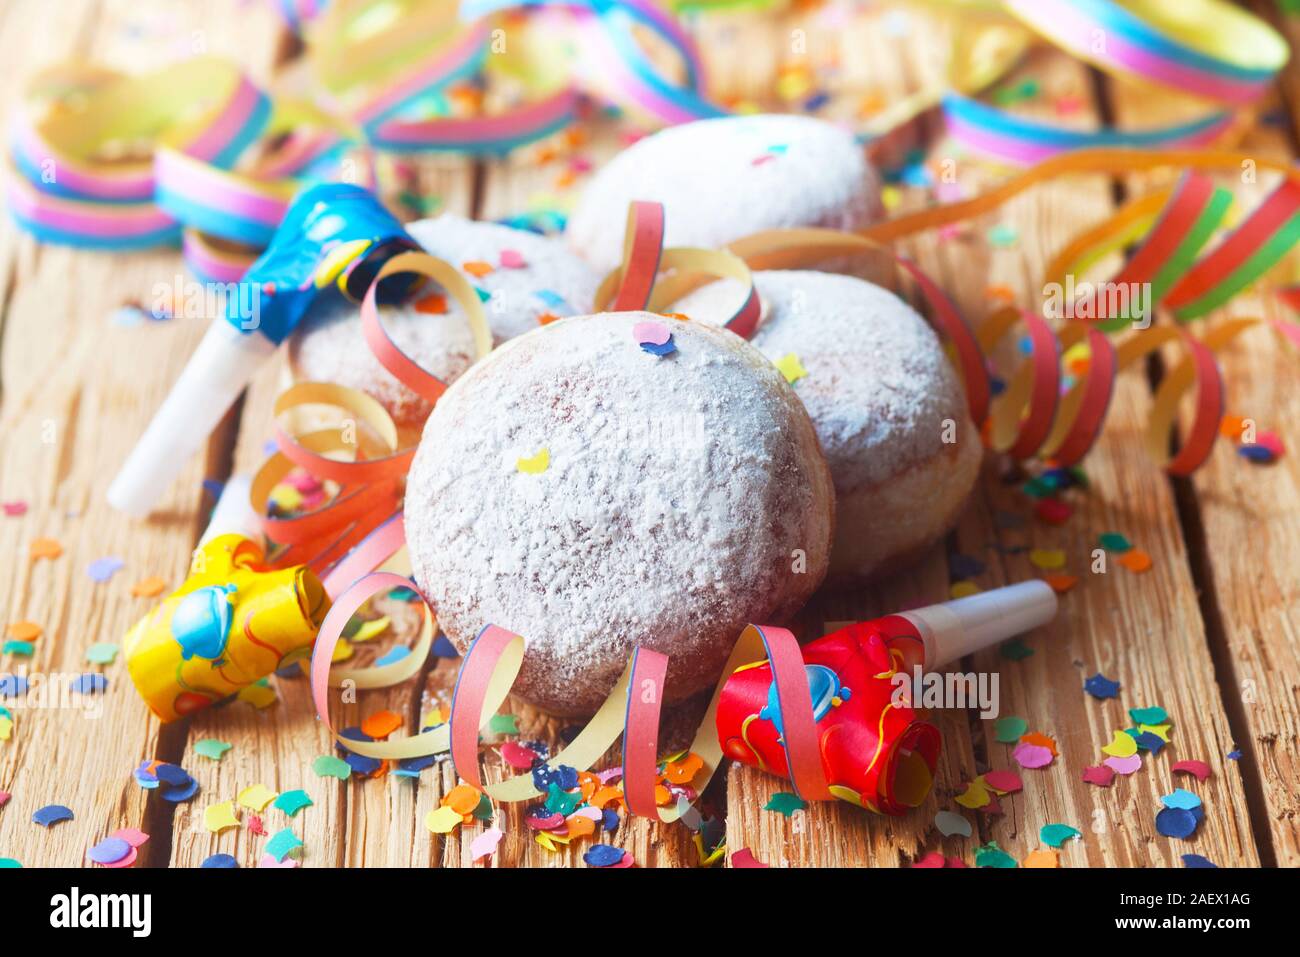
(887, 406)
(722, 179)
(680, 498)
(537, 278)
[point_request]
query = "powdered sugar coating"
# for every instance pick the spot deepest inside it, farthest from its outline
(887, 405)
(677, 493)
(722, 179)
(329, 346)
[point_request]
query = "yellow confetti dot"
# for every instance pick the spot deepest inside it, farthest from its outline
(1043, 857)
(286, 497)
(1159, 730)
(790, 367)
(963, 589)
(890, 197)
(975, 796)
(256, 797)
(336, 261)
(1122, 745)
(535, 465)
(6, 727)
(219, 817)
(442, 820)
(371, 629)
(1047, 558)
(342, 651)
(259, 696)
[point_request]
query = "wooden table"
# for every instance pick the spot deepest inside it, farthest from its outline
(1210, 633)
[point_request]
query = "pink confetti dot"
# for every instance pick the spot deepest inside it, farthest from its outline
(512, 259)
(1099, 775)
(1006, 781)
(651, 333)
(1124, 765)
(517, 756)
(1199, 769)
(1032, 756)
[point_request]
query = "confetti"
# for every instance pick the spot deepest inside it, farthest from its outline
(88, 684)
(932, 860)
(221, 861)
(103, 569)
(485, 844)
(4, 798)
(1181, 798)
(14, 509)
(511, 259)
(1147, 741)
(21, 649)
(990, 855)
(1125, 766)
(503, 724)
(133, 836)
(102, 653)
(44, 548)
(149, 587)
(790, 367)
(536, 464)
(1010, 728)
(1048, 559)
(975, 796)
(1148, 716)
(219, 817)
(259, 694)
(1061, 583)
(1198, 769)
(109, 850)
(603, 855)
(1032, 756)
(328, 766)
(291, 802)
(517, 756)
(8, 863)
(256, 797)
(1161, 731)
(1114, 542)
(745, 858)
(950, 823)
(478, 269)
(1054, 835)
(963, 589)
(1100, 775)
(434, 304)
(1053, 511)
(371, 629)
(1101, 687)
(1042, 857)
(1196, 860)
(783, 802)
(268, 860)
(52, 814)
(1122, 745)
(211, 748)
(1234, 755)
(1004, 782)
(1136, 561)
(282, 844)
(24, 631)
(1015, 650)
(381, 724)
(442, 820)
(1176, 822)
(1003, 236)
(651, 333)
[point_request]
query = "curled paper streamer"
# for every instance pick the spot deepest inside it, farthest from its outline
(232, 622)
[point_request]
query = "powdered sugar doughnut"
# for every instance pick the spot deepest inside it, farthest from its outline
(722, 179)
(880, 392)
(589, 495)
(530, 277)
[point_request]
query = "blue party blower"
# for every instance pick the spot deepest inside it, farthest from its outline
(333, 234)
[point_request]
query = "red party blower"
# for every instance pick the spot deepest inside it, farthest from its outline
(876, 751)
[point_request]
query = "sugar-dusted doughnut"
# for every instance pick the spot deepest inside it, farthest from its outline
(529, 279)
(722, 179)
(887, 405)
(579, 490)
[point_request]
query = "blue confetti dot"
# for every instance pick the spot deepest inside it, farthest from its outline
(109, 851)
(609, 819)
(52, 814)
(665, 349)
(1150, 741)
(223, 861)
(1101, 687)
(360, 764)
(1176, 822)
(394, 654)
(603, 855)
(1196, 860)
(179, 795)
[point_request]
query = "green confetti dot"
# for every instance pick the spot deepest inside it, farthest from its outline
(1010, 729)
(22, 649)
(8, 862)
(1015, 650)
(1152, 715)
(561, 802)
(103, 653)
(785, 803)
(1003, 235)
(484, 810)
(990, 855)
(1114, 542)
(1054, 835)
(211, 748)
(328, 766)
(1038, 487)
(291, 802)
(503, 724)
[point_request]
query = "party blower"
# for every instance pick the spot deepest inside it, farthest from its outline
(332, 234)
(877, 751)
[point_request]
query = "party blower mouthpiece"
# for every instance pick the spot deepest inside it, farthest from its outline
(333, 234)
(876, 751)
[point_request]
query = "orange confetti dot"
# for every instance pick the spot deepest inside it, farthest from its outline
(478, 268)
(606, 795)
(24, 631)
(381, 724)
(1135, 560)
(580, 826)
(663, 796)
(1061, 583)
(434, 304)
(588, 784)
(680, 317)
(1042, 740)
(1230, 426)
(565, 179)
(44, 548)
(681, 772)
(1001, 293)
(546, 318)
(149, 587)
(462, 799)
(1043, 857)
